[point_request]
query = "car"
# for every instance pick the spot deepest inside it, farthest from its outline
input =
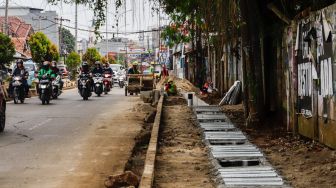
(31, 68)
(116, 68)
(63, 69)
(146, 72)
(2, 109)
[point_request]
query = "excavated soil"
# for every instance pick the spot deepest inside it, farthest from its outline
(136, 162)
(182, 157)
(302, 162)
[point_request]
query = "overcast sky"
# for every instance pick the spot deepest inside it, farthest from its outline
(139, 15)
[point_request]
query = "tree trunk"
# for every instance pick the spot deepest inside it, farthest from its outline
(251, 51)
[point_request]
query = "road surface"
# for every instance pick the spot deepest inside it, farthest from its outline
(69, 143)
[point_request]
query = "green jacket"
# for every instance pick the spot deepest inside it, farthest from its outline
(151, 69)
(44, 71)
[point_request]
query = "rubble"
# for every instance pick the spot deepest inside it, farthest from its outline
(127, 179)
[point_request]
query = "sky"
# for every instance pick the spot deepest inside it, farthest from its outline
(139, 16)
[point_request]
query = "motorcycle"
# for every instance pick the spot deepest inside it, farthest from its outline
(115, 79)
(98, 84)
(18, 90)
(107, 83)
(121, 80)
(45, 90)
(56, 87)
(84, 86)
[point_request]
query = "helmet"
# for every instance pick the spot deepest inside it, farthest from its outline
(85, 65)
(97, 63)
(45, 63)
(53, 63)
(135, 63)
(19, 61)
(152, 63)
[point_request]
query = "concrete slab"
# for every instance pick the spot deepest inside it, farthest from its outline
(250, 176)
(218, 127)
(215, 116)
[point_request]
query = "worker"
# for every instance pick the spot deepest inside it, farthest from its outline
(151, 68)
(170, 87)
(134, 68)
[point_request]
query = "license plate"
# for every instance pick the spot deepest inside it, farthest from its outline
(16, 83)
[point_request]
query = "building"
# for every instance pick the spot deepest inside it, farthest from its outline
(19, 31)
(40, 20)
(82, 46)
(112, 45)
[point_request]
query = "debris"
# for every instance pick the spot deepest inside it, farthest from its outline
(233, 95)
(146, 96)
(150, 117)
(128, 179)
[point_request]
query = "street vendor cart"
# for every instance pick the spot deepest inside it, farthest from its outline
(139, 82)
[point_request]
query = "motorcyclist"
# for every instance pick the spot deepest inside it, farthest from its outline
(134, 68)
(45, 70)
(107, 69)
(21, 72)
(85, 70)
(98, 68)
(56, 71)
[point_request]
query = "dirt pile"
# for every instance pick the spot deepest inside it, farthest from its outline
(126, 179)
(182, 157)
(183, 84)
(303, 162)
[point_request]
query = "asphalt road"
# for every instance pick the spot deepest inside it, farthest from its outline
(43, 145)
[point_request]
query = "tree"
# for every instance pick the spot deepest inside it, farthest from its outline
(39, 46)
(104, 60)
(72, 62)
(68, 40)
(7, 49)
(42, 49)
(91, 56)
(52, 53)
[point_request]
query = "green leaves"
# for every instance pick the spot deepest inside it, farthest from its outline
(68, 40)
(39, 44)
(91, 56)
(52, 53)
(42, 49)
(73, 61)
(7, 49)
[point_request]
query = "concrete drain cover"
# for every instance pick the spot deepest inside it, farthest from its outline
(211, 118)
(250, 176)
(225, 138)
(219, 126)
(242, 164)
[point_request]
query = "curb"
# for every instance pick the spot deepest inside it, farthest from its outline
(147, 177)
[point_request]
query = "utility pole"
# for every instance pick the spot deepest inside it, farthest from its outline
(39, 18)
(6, 28)
(61, 19)
(106, 31)
(126, 65)
(159, 31)
(76, 26)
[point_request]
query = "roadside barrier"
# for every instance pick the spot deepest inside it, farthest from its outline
(148, 173)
